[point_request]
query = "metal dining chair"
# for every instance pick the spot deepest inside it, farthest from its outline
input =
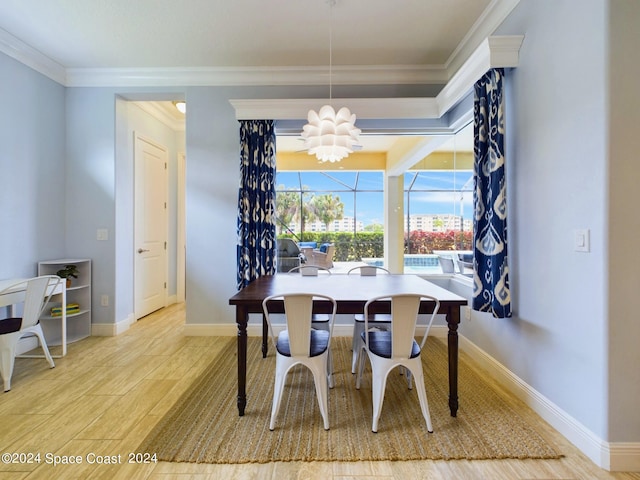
(299, 343)
(396, 347)
(380, 319)
(38, 293)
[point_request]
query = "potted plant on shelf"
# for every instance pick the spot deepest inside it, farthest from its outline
(68, 272)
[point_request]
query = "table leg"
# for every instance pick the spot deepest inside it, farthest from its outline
(453, 319)
(242, 317)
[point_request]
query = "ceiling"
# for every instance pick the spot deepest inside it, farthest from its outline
(241, 33)
(77, 42)
(407, 40)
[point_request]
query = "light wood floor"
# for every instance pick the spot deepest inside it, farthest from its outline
(103, 398)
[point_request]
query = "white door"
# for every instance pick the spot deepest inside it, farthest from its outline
(150, 229)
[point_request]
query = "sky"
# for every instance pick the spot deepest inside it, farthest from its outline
(433, 192)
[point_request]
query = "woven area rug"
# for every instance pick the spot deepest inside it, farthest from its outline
(204, 426)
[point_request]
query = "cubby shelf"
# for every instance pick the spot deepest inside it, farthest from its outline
(78, 323)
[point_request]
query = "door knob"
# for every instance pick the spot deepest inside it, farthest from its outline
(141, 250)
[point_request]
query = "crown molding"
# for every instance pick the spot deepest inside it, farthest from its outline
(32, 58)
(286, 109)
(494, 52)
(485, 26)
(256, 76)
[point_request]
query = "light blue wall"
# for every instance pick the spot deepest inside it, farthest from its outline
(559, 136)
(32, 175)
(557, 182)
(96, 158)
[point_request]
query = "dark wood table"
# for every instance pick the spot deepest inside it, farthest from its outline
(351, 293)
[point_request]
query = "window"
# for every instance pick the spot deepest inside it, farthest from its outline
(346, 208)
(343, 208)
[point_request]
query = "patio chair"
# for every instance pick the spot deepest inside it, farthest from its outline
(323, 255)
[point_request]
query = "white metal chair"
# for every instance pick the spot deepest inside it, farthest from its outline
(446, 264)
(319, 320)
(381, 320)
(38, 293)
(299, 343)
(309, 270)
(396, 347)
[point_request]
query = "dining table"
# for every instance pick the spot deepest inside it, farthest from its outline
(351, 292)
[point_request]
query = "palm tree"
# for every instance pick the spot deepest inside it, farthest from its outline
(287, 204)
(327, 208)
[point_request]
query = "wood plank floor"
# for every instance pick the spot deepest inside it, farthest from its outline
(103, 398)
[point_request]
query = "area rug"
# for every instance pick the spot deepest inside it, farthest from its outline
(204, 426)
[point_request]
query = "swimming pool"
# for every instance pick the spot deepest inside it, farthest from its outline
(413, 263)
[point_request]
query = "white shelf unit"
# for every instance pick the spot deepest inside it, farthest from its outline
(78, 324)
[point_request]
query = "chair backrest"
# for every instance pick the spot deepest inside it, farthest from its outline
(368, 270)
(447, 265)
(331, 249)
(298, 311)
(404, 317)
(38, 293)
(309, 270)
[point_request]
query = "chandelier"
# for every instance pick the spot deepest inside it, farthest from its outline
(328, 135)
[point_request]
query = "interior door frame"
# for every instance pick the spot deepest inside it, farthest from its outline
(181, 247)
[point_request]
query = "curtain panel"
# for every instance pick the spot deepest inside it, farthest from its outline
(256, 249)
(491, 278)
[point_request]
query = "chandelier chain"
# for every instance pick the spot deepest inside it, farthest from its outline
(331, 5)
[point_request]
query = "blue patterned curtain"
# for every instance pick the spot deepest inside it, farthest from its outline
(491, 277)
(256, 201)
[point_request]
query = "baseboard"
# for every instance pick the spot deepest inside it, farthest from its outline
(623, 457)
(610, 456)
(112, 329)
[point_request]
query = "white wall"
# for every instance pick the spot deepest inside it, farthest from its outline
(32, 152)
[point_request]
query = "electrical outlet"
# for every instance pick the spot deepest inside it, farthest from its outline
(104, 300)
(467, 313)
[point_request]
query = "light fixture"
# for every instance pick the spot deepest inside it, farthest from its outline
(330, 136)
(181, 105)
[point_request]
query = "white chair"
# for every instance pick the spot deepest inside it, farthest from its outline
(299, 343)
(38, 293)
(309, 270)
(319, 320)
(446, 264)
(381, 320)
(396, 347)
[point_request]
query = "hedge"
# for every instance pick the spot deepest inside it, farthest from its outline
(350, 247)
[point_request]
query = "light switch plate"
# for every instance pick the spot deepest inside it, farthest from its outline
(581, 240)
